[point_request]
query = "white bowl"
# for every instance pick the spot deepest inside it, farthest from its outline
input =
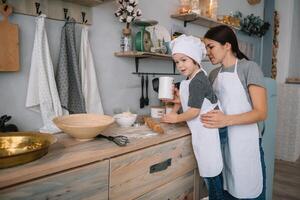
(83, 127)
(125, 119)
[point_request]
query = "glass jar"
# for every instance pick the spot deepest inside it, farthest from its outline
(209, 8)
(185, 7)
(195, 7)
(126, 40)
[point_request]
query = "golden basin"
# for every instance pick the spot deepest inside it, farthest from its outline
(22, 147)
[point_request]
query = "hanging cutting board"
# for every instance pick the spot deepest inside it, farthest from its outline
(9, 41)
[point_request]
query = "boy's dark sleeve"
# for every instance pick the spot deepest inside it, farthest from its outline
(197, 92)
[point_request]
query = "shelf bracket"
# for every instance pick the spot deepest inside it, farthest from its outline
(137, 62)
(188, 21)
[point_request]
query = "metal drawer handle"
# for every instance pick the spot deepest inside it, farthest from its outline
(160, 166)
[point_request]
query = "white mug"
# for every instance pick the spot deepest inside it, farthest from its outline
(165, 89)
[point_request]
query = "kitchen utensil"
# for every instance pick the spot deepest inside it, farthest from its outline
(155, 84)
(83, 127)
(146, 101)
(143, 38)
(153, 125)
(120, 140)
(22, 147)
(142, 100)
(159, 34)
(165, 90)
(9, 40)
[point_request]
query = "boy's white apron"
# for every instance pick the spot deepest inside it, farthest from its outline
(242, 172)
(206, 142)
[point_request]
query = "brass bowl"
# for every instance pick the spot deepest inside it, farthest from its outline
(22, 147)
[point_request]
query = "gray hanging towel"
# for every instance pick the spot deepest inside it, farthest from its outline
(68, 78)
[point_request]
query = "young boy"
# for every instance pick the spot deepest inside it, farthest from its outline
(197, 97)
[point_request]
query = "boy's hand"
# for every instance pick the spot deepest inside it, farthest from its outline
(170, 118)
(176, 99)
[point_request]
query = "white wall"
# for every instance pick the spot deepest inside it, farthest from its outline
(285, 10)
(118, 87)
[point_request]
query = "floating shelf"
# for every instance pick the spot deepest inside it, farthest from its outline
(139, 55)
(89, 3)
(200, 20)
(292, 81)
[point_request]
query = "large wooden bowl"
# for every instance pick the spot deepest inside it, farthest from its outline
(22, 147)
(83, 127)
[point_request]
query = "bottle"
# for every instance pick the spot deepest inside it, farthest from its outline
(126, 40)
(195, 7)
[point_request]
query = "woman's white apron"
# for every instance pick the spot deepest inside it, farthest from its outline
(242, 172)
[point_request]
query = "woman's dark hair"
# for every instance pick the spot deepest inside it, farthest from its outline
(223, 34)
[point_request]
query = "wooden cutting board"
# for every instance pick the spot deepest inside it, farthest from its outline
(9, 41)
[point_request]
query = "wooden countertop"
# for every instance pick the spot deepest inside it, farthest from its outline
(68, 153)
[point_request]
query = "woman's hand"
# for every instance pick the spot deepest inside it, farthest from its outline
(170, 118)
(214, 119)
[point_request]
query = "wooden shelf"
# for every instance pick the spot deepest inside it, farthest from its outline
(140, 54)
(292, 81)
(200, 20)
(89, 3)
(137, 55)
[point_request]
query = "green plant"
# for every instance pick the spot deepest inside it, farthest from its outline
(253, 25)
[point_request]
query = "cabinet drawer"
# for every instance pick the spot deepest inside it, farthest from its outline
(88, 182)
(180, 189)
(137, 173)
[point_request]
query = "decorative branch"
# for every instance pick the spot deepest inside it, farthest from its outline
(252, 25)
(128, 11)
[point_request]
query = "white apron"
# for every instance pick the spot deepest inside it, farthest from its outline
(242, 172)
(206, 142)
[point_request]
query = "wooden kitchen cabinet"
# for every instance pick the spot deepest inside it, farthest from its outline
(88, 182)
(181, 188)
(140, 172)
(152, 166)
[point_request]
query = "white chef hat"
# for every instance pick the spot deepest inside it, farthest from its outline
(189, 45)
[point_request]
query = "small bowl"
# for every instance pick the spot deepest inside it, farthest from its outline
(83, 127)
(125, 119)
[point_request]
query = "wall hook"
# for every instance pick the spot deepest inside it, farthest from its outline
(84, 21)
(66, 14)
(37, 7)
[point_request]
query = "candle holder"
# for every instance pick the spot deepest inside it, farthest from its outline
(185, 7)
(209, 8)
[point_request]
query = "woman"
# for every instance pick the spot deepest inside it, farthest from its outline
(239, 86)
